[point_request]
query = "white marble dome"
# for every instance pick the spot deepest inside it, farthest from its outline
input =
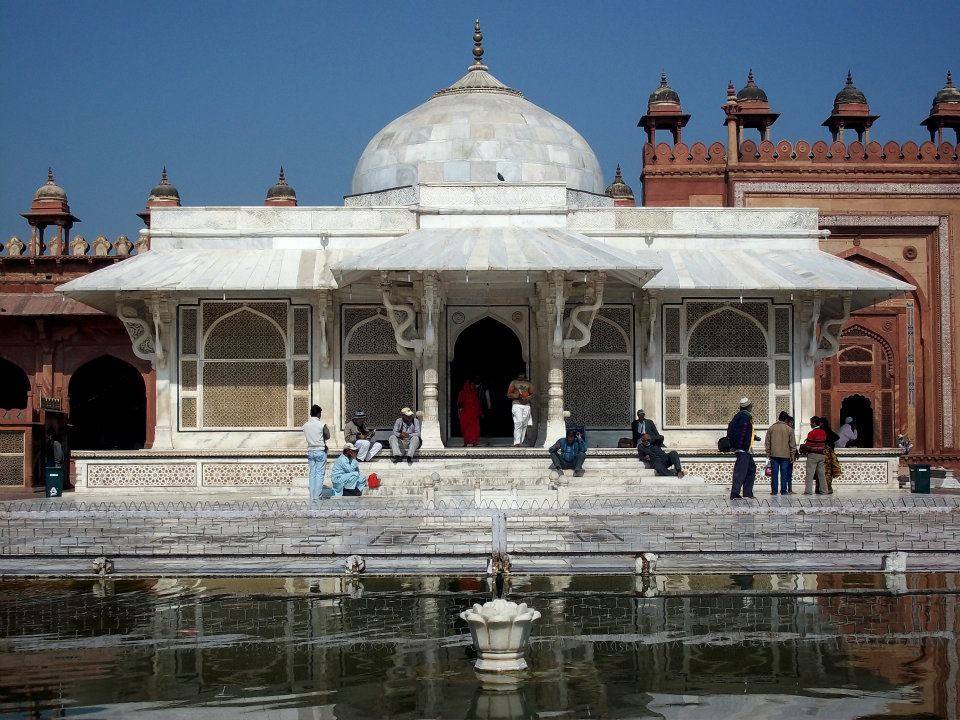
(470, 132)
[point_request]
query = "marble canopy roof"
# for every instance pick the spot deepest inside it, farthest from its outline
(759, 270)
(248, 271)
(499, 249)
(237, 268)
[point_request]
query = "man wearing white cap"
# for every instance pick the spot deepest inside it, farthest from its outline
(848, 433)
(741, 437)
(405, 436)
(345, 477)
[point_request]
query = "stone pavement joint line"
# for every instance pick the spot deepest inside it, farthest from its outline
(419, 536)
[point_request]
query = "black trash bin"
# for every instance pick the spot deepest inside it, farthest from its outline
(919, 478)
(53, 481)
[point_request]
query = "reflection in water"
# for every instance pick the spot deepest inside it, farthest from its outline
(822, 646)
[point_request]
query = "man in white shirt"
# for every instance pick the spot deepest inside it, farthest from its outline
(848, 433)
(316, 433)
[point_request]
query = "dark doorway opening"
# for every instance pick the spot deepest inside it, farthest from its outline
(108, 406)
(492, 352)
(860, 409)
(14, 386)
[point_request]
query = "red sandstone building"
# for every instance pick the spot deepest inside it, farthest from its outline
(67, 368)
(889, 206)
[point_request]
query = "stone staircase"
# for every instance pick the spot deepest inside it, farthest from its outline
(517, 476)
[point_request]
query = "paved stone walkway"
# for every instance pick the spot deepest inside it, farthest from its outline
(705, 533)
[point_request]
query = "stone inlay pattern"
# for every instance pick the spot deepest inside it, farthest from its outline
(855, 472)
(254, 474)
(115, 475)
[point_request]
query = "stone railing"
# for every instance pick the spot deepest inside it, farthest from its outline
(77, 247)
(804, 152)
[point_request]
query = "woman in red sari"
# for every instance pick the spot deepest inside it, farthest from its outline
(468, 405)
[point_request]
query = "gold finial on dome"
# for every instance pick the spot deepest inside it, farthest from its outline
(477, 47)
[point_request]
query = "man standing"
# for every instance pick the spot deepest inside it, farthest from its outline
(848, 433)
(345, 477)
(781, 447)
(357, 432)
(741, 437)
(815, 447)
(521, 391)
(569, 452)
(664, 463)
(642, 425)
(405, 436)
(316, 433)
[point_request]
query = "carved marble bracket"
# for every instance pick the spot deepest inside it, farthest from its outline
(402, 317)
(812, 330)
(572, 346)
(649, 314)
(323, 315)
(830, 332)
(146, 330)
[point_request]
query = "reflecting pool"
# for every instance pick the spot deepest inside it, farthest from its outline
(699, 647)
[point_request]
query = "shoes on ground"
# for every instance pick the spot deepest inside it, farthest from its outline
(396, 459)
(409, 460)
(736, 497)
(750, 497)
(578, 473)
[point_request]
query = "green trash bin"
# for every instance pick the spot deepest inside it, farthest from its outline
(53, 481)
(920, 479)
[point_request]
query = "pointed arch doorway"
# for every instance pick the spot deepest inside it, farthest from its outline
(490, 351)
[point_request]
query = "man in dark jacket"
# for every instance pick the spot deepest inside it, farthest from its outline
(660, 460)
(569, 452)
(741, 437)
(643, 425)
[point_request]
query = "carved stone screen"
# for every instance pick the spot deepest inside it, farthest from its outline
(244, 365)
(716, 352)
(12, 450)
(376, 378)
(598, 383)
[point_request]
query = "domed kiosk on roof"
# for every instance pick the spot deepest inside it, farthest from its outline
(850, 111)
(474, 131)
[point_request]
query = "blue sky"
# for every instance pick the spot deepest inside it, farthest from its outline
(224, 92)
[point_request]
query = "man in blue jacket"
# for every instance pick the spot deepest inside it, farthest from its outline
(345, 477)
(741, 437)
(569, 452)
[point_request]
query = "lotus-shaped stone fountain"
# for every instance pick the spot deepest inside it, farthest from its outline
(500, 631)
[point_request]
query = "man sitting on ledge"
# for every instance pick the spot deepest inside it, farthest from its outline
(660, 460)
(569, 452)
(346, 478)
(405, 436)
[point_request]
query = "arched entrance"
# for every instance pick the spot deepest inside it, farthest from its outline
(490, 351)
(859, 408)
(15, 387)
(108, 406)
(860, 381)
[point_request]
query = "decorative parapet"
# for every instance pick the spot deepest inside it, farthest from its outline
(855, 152)
(892, 153)
(681, 154)
(55, 249)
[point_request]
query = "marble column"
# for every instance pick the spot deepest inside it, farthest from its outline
(164, 360)
(550, 323)
(432, 305)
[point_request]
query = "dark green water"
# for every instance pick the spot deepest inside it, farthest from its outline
(700, 648)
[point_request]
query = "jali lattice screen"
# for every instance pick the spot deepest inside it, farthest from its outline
(715, 352)
(376, 378)
(244, 365)
(598, 383)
